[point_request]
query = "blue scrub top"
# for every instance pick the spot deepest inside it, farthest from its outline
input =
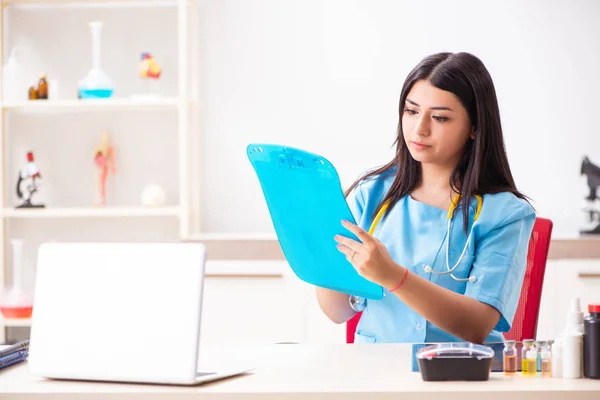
(415, 234)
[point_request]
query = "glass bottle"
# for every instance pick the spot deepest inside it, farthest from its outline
(539, 345)
(32, 95)
(42, 90)
(546, 360)
(509, 355)
(531, 357)
(527, 345)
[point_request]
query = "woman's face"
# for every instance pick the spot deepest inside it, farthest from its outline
(435, 124)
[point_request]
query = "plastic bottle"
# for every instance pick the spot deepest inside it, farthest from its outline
(572, 355)
(591, 343)
(557, 358)
(574, 317)
(13, 89)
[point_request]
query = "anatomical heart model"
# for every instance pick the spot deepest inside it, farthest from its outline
(149, 69)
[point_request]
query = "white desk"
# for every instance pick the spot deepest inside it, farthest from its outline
(369, 372)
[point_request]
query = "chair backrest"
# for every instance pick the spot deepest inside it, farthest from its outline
(524, 324)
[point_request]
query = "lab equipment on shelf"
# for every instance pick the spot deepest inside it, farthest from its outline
(15, 302)
(96, 84)
(14, 87)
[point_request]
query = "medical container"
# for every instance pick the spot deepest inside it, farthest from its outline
(455, 362)
(591, 342)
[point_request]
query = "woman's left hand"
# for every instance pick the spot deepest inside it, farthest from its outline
(370, 258)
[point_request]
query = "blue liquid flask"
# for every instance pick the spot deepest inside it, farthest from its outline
(95, 84)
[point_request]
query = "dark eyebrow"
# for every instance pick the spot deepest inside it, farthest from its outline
(431, 108)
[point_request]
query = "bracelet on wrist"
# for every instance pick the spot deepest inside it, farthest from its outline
(401, 281)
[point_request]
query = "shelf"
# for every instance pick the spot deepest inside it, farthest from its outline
(15, 322)
(40, 106)
(74, 212)
(44, 4)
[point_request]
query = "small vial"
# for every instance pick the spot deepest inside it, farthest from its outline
(546, 356)
(539, 345)
(527, 345)
(510, 357)
(531, 357)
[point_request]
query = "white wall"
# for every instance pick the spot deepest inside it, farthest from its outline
(326, 76)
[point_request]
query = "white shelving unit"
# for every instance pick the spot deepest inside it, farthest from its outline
(184, 104)
(38, 106)
(75, 212)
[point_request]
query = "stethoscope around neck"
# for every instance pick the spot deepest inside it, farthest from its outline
(357, 303)
(449, 270)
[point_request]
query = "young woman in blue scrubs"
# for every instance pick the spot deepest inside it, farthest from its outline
(449, 150)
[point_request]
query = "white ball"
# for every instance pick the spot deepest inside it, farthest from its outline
(153, 196)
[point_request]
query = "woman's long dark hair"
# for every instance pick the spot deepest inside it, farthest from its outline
(483, 167)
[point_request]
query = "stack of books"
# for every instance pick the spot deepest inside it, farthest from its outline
(14, 354)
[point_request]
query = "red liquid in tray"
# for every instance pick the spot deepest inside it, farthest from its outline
(17, 312)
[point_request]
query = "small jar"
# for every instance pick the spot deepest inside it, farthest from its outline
(527, 345)
(509, 357)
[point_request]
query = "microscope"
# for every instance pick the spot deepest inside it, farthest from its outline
(28, 182)
(592, 207)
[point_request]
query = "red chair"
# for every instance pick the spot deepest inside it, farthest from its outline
(526, 317)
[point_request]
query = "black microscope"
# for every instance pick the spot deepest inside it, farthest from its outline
(593, 180)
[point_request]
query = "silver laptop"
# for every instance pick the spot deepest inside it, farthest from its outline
(120, 312)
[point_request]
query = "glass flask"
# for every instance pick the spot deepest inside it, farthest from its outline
(96, 84)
